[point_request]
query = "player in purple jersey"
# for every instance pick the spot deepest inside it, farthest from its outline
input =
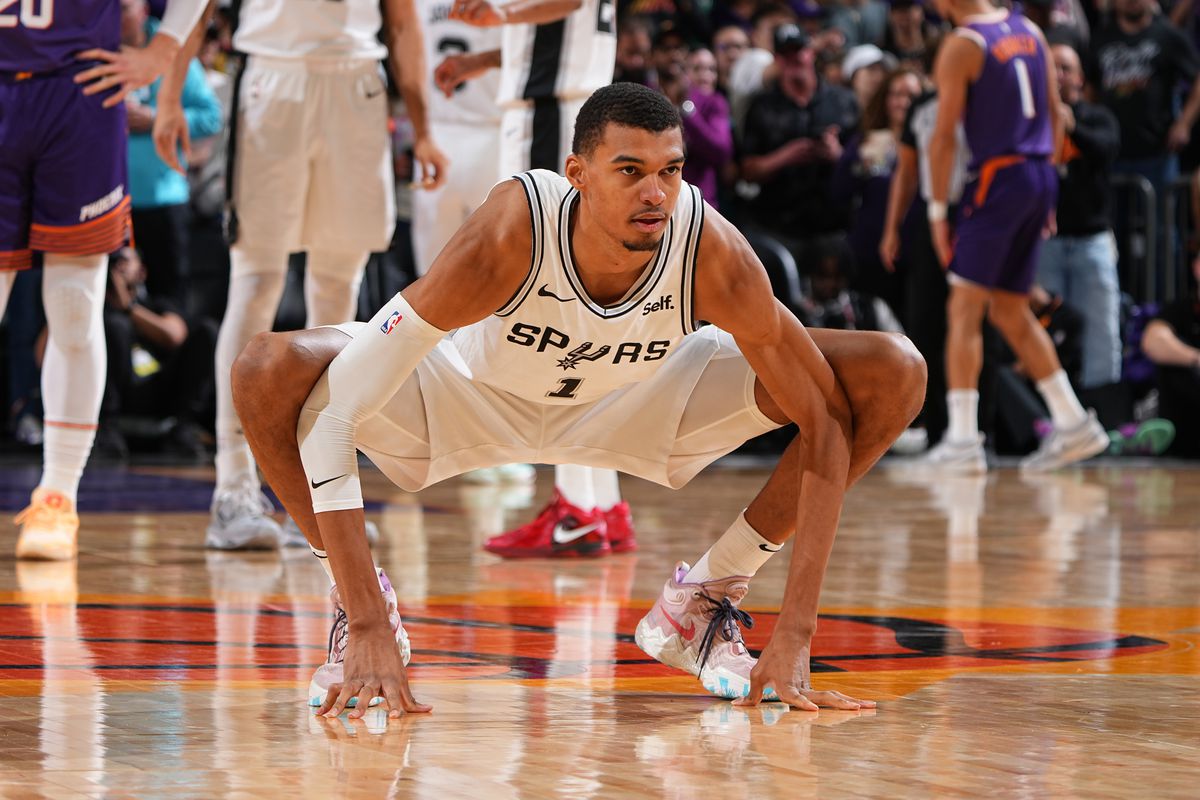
(62, 192)
(995, 74)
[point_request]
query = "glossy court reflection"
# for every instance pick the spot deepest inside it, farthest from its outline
(1040, 634)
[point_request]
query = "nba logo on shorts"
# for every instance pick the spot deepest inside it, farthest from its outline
(391, 322)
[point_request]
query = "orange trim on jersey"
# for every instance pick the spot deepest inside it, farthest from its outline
(104, 234)
(74, 426)
(987, 174)
(14, 260)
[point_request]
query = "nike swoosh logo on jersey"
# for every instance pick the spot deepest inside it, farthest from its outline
(563, 535)
(375, 93)
(766, 549)
(319, 484)
(687, 633)
(543, 291)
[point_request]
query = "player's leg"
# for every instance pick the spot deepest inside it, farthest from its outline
(331, 282)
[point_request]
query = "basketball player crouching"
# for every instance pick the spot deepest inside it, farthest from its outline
(611, 378)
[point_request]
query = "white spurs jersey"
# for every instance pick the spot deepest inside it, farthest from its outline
(474, 102)
(553, 344)
(568, 59)
(310, 29)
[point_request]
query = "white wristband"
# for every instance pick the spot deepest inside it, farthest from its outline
(935, 211)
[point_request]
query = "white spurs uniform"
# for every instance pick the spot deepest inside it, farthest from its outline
(313, 162)
(554, 377)
(547, 72)
(466, 126)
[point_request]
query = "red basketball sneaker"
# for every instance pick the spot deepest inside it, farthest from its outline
(619, 522)
(561, 530)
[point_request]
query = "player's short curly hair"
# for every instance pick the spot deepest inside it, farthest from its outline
(629, 104)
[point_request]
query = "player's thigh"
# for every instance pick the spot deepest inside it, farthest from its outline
(351, 201)
(270, 165)
(437, 214)
(80, 204)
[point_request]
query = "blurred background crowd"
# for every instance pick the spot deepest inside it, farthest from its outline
(807, 124)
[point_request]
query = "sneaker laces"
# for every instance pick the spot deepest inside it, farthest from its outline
(338, 635)
(244, 501)
(724, 621)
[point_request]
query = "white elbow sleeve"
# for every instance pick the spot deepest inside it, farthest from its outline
(359, 381)
(180, 17)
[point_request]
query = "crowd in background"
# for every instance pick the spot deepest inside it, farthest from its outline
(806, 123)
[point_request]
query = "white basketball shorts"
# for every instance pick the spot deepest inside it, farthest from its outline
(472, 150)
(695, 409)
(537, 135)
(313, 165)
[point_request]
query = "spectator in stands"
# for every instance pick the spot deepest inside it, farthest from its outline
(669, 58)
(1138, 62)
(863, 70)
(633, 53)
(862, 182)
(1043, 14)
(830, 302)
(160, 362)
(159, 195)
(757, 68)
(729, 44)
(1080, 262)
(860, 21)
(735, 13)
(707, 129)
(909, 38)
(1172, 341)
(791, 142)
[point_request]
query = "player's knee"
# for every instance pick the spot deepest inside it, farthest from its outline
(73, 314)
(909, 373)
(255, 367)
(1006, 315)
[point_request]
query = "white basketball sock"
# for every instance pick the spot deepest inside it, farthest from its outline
(963, 408)
(576, 486)
(607, 487)
(75, 366)
(255, 285)
(1065, 408)
(331, 281)
(323, 558)
(739, 551)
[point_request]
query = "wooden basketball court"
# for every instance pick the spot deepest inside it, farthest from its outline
(1026, 637)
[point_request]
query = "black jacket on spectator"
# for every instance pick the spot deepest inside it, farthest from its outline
(1137, 77)
(794, 201)
(1083, 192)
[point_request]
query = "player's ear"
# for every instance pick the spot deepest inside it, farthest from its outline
(576, 171)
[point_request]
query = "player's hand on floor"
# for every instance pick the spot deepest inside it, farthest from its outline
(171, 135)
(373, 668)
(941, 242)
(130, 68)
(783, 666)
(430, 165)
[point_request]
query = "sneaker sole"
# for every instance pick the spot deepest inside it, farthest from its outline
(42, 551)
(670, 649)
(267, 540)
(583, 551)
(1098, 446)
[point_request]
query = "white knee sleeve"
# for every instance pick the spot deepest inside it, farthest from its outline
(75, 367)
(6, 284)
(331, 282)
(256, 283)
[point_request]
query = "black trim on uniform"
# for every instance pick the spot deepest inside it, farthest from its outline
(547, 134)
(230, 223)
(545, 60)
(533, 199)
(690, 256)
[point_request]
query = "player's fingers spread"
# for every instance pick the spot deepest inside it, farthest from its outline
(331, 697)
(861, 703)
(97, 54)
(368, 693)
(395, 702)
(411, 705)
(832, 700)
(753, 697)
(795, 699)
(343, 698)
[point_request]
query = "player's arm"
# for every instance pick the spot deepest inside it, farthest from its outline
(134, 67)
(901, 192)
(486, 14)
(458, 68)
(734, 293)
(406, 51)
(959, 63)
(477, 272)
(170, 133)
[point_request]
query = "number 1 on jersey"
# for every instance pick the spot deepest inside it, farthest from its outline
(1023, 84)
(567, 387)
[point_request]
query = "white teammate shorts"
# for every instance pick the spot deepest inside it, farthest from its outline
(438, 214)
(528, 136)
(698, 407)
(313, 164)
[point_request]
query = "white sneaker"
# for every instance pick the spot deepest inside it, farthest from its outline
(952, 457)
(292, 536)
(1061, 448)
(331, 671)
(241, 521)
(910, 442)
(503, 474)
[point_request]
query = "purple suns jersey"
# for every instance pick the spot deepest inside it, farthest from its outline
(44, 35)
(1007, 111)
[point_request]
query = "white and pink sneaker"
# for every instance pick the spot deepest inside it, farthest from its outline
(695, 627)
(330, 672)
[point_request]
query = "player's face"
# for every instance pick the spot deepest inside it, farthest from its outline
(630, 183)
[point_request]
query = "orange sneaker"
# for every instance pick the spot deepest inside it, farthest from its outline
(49, 527)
